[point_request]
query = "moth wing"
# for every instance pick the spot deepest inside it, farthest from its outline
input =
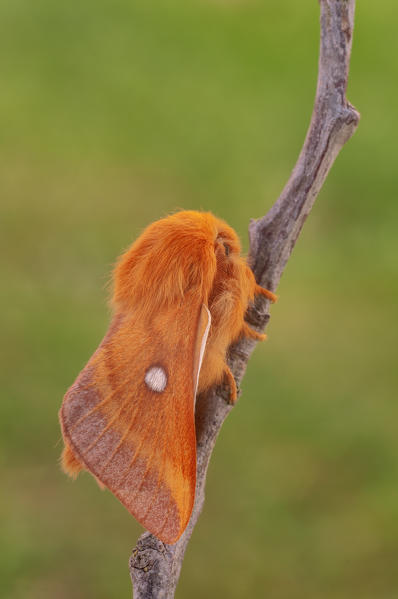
(129, 416)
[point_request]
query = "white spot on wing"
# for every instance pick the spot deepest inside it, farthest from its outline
(156, 379)
(203, 345)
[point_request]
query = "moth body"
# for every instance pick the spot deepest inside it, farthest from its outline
(180, 295)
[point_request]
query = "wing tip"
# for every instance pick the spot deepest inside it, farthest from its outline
(160, 515)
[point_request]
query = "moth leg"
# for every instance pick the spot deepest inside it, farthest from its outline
(266, 293)
(247, 331)
(230, 382)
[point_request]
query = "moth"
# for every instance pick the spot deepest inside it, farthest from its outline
(180, 295)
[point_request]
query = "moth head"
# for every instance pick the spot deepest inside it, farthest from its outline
(233, 271)
(227, 245)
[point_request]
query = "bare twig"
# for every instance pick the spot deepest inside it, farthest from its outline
(154, 566)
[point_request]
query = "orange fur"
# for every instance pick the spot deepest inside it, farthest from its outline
(184, 254)
(180, 269)
(70, 465)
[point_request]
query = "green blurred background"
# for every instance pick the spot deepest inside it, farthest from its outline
(112, 114)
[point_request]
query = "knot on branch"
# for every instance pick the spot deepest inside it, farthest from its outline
(351, 115)
(150, 568)
(147, 552)
(257, 315)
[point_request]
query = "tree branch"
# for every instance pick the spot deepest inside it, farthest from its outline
(154, 566)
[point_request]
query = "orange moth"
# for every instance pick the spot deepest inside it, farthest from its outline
(180, 295)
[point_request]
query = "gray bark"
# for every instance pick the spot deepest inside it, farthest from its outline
(154, 566)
